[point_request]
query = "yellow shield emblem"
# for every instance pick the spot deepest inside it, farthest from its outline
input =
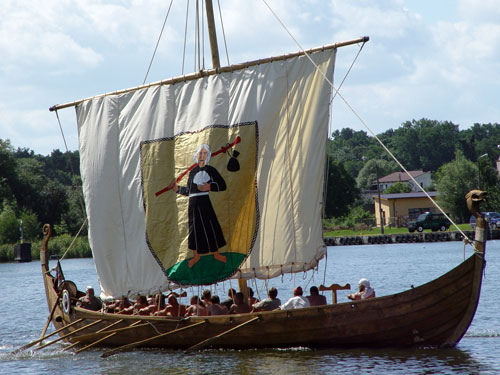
(200, 199)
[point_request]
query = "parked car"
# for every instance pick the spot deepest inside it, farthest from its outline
(429, 220)
(491, 217)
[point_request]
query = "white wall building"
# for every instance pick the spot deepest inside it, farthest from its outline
(422, 178)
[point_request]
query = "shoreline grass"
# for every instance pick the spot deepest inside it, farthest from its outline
(57, 246)
(376, 231)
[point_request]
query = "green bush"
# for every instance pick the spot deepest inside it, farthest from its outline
(6, 253)
(31, 226)
(9, 225)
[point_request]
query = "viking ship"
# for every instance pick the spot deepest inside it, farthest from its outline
(160, 219)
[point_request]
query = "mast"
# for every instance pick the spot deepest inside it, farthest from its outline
(212, 34)
(242, 283)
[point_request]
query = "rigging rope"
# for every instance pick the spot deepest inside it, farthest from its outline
(343, 80)
(364, 123)
(223, 33)
(74, 238)
(157, 42)
(197, 36)
(349, 70)
(70, 161)
(202, 36)
(185, 37)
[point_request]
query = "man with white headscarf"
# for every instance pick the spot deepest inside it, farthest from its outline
(365, 291)
(205, 233)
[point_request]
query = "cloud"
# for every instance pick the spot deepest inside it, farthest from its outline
(32, 40)
(431, 61)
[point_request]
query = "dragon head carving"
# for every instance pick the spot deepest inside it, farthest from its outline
(474, 199)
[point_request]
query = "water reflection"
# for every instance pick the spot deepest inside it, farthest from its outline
(293, 361)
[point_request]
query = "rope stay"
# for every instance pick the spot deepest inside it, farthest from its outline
(82, 203)
(185, 37)
(197, 37)
(157, 42)
(223, 32)
(360, 119)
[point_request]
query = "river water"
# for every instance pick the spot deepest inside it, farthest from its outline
(390, 268)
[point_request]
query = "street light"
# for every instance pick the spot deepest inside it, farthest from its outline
(479, 170)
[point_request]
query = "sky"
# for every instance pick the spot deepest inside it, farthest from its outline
(435, 59)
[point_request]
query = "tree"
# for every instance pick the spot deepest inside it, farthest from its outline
(454, 180)
(425, 144)
(53, 203)
(368, 174)
(31, 226)
(8, 175)
(31, 182)
(488, 180)
(398, 187)
(480, 139)
(350, 147)
(74, 216)
(9, 225)
(341, 190)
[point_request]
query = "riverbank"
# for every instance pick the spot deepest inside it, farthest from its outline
(58, 245)
(81, 248)
(403, 238)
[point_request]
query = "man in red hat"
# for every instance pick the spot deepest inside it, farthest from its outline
(297, 301)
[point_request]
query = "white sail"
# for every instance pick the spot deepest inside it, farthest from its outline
(289, 99)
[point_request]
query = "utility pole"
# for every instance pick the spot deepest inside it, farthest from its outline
(381, 213)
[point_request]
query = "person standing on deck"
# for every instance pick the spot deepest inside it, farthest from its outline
(205, 232)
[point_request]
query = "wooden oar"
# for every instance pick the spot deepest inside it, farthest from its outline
(138, 343)
(45, 337)
(102, 329)
(93, 335)
(70, 334)
(49, 319)
(101, 339)
(208, 341)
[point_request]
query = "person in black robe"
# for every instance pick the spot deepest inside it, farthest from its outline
(205, 232)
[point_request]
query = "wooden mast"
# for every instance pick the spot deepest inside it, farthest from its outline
(212, 34)
(242, 284)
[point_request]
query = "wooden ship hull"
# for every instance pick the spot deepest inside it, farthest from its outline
(436, 314)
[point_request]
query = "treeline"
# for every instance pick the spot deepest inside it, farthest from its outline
(47, 189)
(37, 189)
(459, 160)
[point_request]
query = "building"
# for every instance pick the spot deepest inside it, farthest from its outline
(422, 178)
(397, 209)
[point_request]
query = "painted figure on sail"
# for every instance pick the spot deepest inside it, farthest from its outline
(202, 231)
(205, 233)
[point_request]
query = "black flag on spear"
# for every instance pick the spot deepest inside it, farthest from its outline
(232, 165)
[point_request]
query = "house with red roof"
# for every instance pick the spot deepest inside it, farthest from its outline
(422, 178)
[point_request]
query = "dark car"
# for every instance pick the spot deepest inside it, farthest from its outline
(491, 217)
(429, 220)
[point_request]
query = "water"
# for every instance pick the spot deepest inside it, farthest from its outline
(390, 268)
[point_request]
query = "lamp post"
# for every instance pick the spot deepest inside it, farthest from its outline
(479, 170)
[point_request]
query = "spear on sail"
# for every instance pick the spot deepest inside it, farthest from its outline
(223, 149)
